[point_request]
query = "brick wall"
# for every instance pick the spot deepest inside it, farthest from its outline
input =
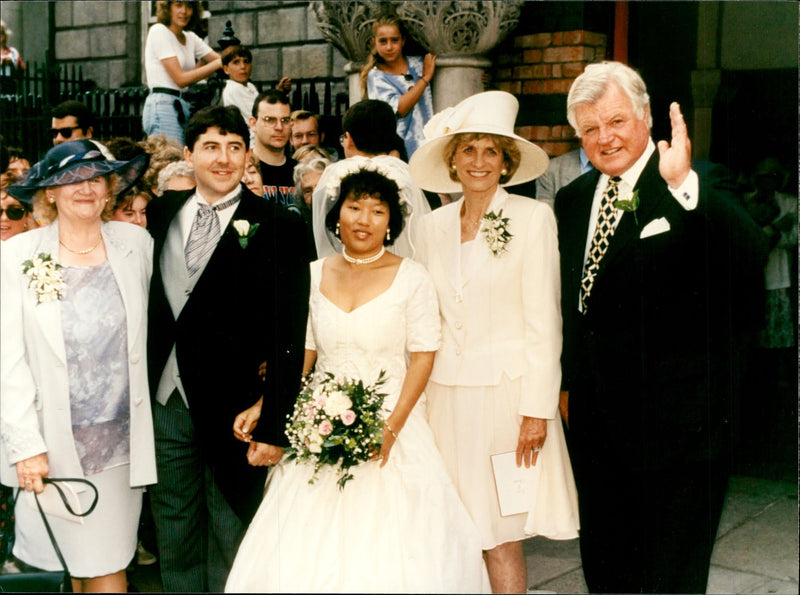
(540, 70)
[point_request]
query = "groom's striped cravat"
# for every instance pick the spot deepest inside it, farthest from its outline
(204, 235)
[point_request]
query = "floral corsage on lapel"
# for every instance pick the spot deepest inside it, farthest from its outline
(245, 231)
(44, 277)
(495, 231)
(629, 204)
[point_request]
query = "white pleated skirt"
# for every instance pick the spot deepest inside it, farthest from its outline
(472, 423)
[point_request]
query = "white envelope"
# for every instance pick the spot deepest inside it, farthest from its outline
(655, 227)
(516, 486)
(53, 504)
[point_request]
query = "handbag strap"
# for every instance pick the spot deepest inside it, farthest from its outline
(54, 482)
(50, 533)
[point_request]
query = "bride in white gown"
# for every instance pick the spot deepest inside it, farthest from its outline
(398, 525)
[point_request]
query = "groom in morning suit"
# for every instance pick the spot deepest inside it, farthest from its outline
(229, 292)
(655, 304)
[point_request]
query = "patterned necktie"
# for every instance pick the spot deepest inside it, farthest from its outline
(204, 235)
(606, 217)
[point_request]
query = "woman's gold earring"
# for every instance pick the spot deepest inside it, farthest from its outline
(337, 232)
(503, 172)
(453, 166)
(388, 235)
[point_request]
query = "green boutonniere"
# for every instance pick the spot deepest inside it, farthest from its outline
(245, 231)
(629, 204)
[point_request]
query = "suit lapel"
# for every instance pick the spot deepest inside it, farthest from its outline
(650, 186)
(579, 209)
(484, 253)
(227, 246)
(48, 315)
(448, 228)
(118, 253)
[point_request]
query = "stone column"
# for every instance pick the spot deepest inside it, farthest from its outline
(460, 34)
(348, 27)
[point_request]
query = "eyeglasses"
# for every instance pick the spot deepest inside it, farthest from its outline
(64, 132)
(270, 121)
(305, 135)
(13, 213)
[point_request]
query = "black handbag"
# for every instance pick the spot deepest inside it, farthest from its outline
(46, 581)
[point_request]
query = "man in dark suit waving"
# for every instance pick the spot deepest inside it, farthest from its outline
(229, 294)
(657, 262)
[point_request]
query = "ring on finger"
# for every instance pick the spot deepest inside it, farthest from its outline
(537, 449)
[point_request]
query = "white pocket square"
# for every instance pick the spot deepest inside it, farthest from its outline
(655, 227)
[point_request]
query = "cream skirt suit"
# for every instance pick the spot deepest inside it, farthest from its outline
(499, 361)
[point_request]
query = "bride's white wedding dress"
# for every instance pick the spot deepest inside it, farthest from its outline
(400, 528)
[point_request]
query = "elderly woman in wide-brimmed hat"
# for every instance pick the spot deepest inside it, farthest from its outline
(495, 381)
(75, 399)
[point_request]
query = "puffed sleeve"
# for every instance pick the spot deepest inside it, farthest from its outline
(424, 331)
(315, 270)
(541, 297)
(20, 435)
(379, 87)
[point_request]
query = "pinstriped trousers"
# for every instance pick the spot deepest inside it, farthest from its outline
(197, 531)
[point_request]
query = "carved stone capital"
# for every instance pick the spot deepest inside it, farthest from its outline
(347, 25)
(448, 28)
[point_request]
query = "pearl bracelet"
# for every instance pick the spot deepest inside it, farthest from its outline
(391, 431)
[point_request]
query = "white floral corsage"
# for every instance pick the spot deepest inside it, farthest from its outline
(245, 230)
(45, 278)
(495, 230)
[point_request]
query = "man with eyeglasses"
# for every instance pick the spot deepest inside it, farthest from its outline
(271, 124)
(305, 129)
(72, 120)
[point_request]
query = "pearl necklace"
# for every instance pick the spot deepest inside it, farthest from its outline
(368, 260)
(100, 239)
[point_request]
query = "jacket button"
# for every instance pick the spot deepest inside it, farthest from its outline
(135, 358)
(458, 325)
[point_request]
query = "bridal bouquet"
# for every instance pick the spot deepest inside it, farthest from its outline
(338, 422)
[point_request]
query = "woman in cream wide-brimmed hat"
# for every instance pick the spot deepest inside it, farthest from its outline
(495, 381)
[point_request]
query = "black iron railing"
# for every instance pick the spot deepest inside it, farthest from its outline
(26, 100)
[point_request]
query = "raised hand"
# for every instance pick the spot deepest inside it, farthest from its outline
(676, 156)
(428, 66)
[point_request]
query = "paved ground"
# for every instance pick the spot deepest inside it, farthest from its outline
(756, 549)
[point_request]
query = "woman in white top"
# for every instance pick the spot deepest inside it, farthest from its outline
(494, 387)
(170, 57)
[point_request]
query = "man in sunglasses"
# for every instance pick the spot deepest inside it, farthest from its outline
(72, 120)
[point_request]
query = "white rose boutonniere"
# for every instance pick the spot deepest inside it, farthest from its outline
(495, 231)
(245, 231)
(44, 277)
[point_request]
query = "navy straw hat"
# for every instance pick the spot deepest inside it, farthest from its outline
(72, 162)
